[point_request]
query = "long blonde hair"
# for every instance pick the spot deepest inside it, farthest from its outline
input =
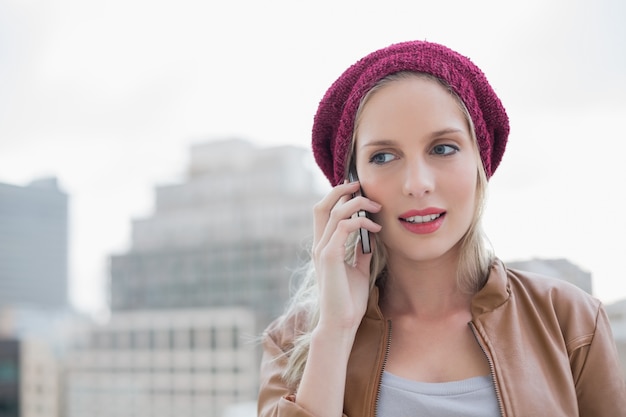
(475, 259)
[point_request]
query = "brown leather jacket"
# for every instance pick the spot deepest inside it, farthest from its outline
(548, 343)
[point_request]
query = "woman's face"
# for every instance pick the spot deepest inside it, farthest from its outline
(415, 157)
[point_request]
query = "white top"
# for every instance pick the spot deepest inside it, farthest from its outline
(473, 397)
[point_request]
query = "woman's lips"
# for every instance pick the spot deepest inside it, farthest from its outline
(423, 221)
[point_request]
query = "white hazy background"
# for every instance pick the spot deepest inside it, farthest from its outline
(109, 95)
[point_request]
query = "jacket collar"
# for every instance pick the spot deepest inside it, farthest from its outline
(495, 292)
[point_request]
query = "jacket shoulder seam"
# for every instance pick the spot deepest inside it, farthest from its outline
(579, 342)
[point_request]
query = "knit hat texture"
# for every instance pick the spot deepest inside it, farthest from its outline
(334, 121)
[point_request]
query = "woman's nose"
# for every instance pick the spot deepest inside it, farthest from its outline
(418, 178)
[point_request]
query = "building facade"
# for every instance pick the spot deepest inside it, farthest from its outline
(30, 383)
(163, 363)
(33, 297)
(34, 245)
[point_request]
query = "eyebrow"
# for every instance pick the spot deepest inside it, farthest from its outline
(389, 142)
(382, 142)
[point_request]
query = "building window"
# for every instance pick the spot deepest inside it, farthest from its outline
(236, 336)
(223, 338)
(161, 339)
(8, 371)
(181, 338)
(141, 339)
(213, 338)
(202, 339)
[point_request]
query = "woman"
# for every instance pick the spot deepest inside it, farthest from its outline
(424, 131)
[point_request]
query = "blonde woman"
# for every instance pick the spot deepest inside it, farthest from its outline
(430, 322)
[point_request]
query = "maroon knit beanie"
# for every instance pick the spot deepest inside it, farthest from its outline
(334, 121)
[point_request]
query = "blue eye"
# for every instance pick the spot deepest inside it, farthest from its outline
(444, 150)
(381, 158)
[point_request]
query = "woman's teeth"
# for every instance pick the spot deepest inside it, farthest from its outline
(422, 219)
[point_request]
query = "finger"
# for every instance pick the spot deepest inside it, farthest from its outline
(322, 210)
(334, 239)
(362, 260)
(346, 208)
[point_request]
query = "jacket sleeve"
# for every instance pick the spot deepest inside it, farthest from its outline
(275, 398)
(600, 383)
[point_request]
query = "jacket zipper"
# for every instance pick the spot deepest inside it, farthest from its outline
(491, 368)
(382, 368)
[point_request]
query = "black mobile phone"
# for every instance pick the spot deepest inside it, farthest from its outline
(365, 235)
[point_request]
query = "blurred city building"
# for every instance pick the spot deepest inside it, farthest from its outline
(617, 315)
(29, 379)
(34, 244)
(557, 268)
(34, 307)
(33, 350)
(231, 235)
(163, 363)
(248, 409)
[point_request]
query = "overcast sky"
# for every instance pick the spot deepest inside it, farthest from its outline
(108, 97)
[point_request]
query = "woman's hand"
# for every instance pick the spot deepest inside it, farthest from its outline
(344, 288)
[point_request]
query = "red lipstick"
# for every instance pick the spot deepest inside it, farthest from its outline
(423, 221)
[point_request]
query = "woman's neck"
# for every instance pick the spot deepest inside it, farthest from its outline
(423, 289)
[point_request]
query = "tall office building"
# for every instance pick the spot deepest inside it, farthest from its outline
(33, 296)
(34, 245)
(230, 235)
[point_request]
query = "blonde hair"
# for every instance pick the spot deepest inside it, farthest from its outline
(475, 259)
